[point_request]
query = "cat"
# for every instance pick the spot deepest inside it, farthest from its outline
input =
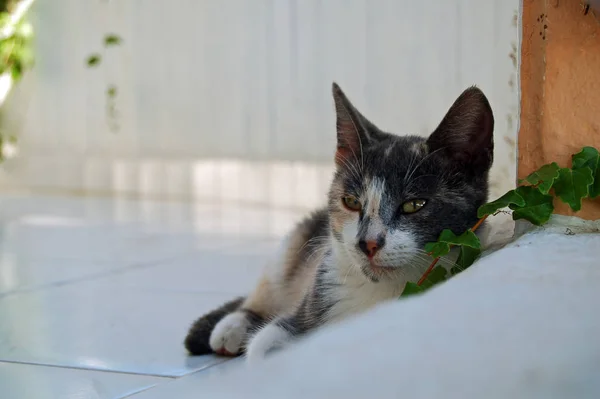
(389, 196)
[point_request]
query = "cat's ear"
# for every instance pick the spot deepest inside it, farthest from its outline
(352, 133)
(466, 134)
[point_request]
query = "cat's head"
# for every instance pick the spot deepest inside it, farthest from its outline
(392, 194)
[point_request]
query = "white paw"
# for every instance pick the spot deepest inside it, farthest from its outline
(270, 337)
(228, 335)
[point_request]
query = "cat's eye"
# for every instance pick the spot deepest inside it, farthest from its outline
(351, 203)
(413, 206)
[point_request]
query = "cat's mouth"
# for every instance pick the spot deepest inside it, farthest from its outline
(373, 270)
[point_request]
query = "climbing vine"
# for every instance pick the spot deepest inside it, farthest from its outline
(111, 92)
(532, 200)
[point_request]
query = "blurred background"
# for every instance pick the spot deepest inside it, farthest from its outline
(229, 100)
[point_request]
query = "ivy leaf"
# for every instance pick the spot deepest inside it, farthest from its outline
(465, 259)
(573, 185)
(411, 289)
(16, 69)
(437, 249)
(93, 60)
(538, 206)
(437, 275)
(442, 246)
(511, 197)
(589, 157)
(112, 40)
(111, 91)
(544, 177)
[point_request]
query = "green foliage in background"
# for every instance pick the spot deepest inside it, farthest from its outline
(94, 60)
(7, 5)
(532, 201)
(16, 52)
(16, 49)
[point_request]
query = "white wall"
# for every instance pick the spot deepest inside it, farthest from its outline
(230, 99)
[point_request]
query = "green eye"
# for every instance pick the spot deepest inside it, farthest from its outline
(413, 206)
(351, 203)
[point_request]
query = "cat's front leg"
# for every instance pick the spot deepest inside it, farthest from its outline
(274, 335)
(309, 315)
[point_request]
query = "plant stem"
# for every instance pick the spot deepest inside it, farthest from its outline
(436, 260)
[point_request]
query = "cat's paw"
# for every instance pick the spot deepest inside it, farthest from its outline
(270, 337)
(229, 334)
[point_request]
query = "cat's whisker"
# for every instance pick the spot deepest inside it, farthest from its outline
(351, 166)
(409, 185)
(428, 259)
(347, 274)
(410, 165)
(314, 241)
(426, 157)
(315, 252)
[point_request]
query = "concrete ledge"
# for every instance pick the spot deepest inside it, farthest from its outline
(521, 323)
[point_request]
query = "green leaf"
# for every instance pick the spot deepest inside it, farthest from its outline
(538, 206)
(448, 238)
(411, 289)
(573, 185)
(465, 259)
(16, 71)
(4, 18)
(437, 249)
(111, 91)
(589, 157)
(543, 178)
(112, 40)
(437, 275)
(93, 60)
(511, 197)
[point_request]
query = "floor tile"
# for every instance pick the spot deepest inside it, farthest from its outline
(19, 272)
(190, 385)
(113, 284)
(24, 381)
(203, 272)
(101, 325)
(124, 231)
(231, 266)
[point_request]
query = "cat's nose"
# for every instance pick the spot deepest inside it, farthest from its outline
(369, 247)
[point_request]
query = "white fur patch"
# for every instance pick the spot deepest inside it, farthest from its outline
(350, 231)
(388, 150)
(229, 333)
(356, 294)
(399, 249)
(269, 337)
(274, 268)
(419, 148)
(374, 193)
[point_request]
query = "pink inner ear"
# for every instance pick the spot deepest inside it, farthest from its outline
(342, 155)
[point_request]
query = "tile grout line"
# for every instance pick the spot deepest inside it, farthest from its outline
(94, 276)
(169, 377)
(141, 390)
(172, 380)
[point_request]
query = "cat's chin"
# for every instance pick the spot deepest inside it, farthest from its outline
(377, 272)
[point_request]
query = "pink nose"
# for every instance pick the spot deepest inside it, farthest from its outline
(369, 247)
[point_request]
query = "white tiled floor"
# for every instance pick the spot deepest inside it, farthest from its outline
(96, 294)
